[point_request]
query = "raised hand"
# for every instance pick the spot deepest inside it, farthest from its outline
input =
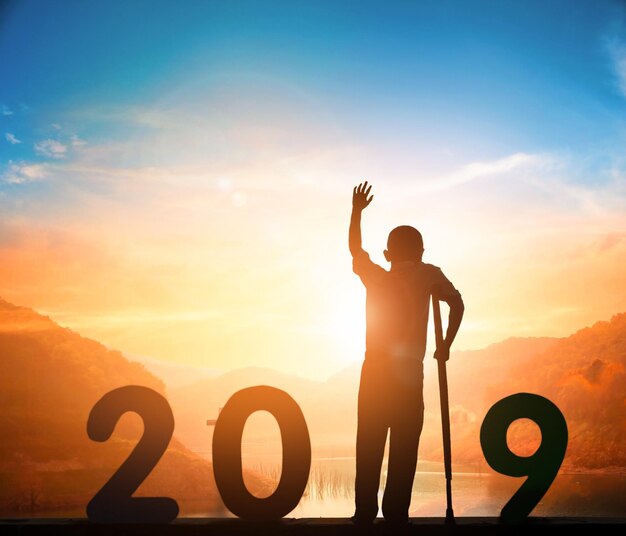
(359, 196)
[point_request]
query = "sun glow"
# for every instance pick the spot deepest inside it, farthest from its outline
(344, 322)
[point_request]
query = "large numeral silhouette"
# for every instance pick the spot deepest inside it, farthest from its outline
(227, 453)
(114, 502)
(542, 466)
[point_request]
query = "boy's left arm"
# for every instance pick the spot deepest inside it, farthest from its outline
(457, 308)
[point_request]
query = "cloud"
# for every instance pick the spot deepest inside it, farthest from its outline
(21, 173)
(12, 139)
(6, 110)
(77, 142)
(481, 169)
(151, 117)
(514, 161)
(617, 51)
(611, 241)
(51, 148)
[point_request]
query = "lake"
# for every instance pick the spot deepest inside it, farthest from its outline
(476, 491)
(330, 492)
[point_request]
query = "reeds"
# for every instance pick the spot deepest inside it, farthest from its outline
(324, 482)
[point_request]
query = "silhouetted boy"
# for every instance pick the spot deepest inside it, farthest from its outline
(390, 392)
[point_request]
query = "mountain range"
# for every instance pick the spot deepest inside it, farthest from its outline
(584, 374)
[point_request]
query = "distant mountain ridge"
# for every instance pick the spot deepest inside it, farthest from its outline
(552, 367)
(177, 375)
(330, 406)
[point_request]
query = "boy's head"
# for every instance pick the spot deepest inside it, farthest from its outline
(404, 244)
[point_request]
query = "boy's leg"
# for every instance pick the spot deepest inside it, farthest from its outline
(370, 444)
(403, 445)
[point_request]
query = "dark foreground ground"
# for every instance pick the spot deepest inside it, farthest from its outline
(483, 526)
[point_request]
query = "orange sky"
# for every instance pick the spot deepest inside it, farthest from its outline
(245, 262)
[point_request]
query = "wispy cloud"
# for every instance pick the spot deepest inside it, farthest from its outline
(51, 148)
(617, 50)
(21, 172)
(12, 139)
(504, 166)
(6, 110)
(77, 142)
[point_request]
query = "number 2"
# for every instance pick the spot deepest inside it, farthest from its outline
(114, 502)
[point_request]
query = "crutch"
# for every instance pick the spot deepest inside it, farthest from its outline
(445, 411)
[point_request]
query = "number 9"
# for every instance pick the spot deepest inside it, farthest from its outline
(542, 466)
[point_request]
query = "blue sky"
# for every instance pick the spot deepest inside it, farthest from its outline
(150, 149)
(491, 74)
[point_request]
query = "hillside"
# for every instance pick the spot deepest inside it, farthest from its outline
(473, 380)
(585, 375)
(50, 378)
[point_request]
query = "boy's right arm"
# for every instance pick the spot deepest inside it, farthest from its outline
(444, 290)
(359, 202)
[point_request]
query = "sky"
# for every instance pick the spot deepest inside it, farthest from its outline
(175, 179)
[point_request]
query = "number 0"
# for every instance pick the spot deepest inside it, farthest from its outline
(227, 463)
(542, 466)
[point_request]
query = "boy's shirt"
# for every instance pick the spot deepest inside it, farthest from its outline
(397, 306)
